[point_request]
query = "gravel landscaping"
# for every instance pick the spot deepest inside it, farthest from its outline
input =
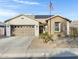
(59, 43)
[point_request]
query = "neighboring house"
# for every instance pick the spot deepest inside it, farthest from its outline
(2, 29)
(33, 25)
(58, 26)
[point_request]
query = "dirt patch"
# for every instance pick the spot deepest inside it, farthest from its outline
(38, 43)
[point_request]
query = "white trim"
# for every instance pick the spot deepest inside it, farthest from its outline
(68, 28)
(46, 28)
(8, 30)
(37, 30)
(59, 27)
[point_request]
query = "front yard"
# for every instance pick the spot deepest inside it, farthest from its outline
(59, 43)
(32, 46)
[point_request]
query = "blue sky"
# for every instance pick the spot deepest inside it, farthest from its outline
(11, 8)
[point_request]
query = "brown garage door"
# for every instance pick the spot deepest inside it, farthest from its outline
(27, 30)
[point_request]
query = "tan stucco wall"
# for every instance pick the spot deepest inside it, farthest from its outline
(20, 21)
(25, 21)
(63, 26)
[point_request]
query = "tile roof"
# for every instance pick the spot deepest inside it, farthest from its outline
(39, 18)
(42, 16)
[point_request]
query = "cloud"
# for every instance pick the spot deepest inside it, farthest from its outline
(26, 2)
(7, 4)
(6, 12)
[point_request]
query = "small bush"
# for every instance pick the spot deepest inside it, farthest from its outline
(46, 37)
(59, 35)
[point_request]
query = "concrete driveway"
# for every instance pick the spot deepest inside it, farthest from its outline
(19, 47)
(14, 45)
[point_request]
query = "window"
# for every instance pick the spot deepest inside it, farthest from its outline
(29, 26)
(21, 26)
(32, 26)
(18, 26)
(57, 26)
(15, 26)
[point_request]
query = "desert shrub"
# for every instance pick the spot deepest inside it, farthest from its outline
(59, 35)
(46, 37)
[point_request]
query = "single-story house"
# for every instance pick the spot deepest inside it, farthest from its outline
(2, 29)
(58, 26)
(33, 25)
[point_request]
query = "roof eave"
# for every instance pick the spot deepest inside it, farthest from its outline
(58, 16)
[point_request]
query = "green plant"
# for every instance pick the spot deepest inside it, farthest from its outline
(46, 37)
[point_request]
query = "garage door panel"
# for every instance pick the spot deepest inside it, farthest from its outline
(27, 30)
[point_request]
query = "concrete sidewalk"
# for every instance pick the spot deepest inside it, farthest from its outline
(57, 52)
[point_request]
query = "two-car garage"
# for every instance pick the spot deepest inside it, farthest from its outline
(22, 26)
(22, 30)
